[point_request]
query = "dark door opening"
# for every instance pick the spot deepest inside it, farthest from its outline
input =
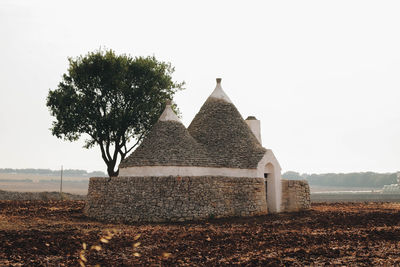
(266, 186)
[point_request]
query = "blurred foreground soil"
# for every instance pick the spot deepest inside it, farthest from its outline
(56, 233)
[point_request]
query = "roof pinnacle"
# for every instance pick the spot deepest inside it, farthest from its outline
(168, 114)
(219, 93)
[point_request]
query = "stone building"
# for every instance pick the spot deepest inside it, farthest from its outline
(216, 167)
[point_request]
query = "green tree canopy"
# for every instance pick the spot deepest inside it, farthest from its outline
(112, 99)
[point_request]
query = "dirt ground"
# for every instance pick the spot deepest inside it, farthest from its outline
(36, 233)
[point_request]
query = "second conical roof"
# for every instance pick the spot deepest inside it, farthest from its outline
(220, 129)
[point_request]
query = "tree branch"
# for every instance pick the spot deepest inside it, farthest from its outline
(116, 150)
(103, 154)
(94, 138)
(124, 144)
(138, 140)
(108, 148)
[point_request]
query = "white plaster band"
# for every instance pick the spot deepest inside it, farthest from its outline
(186, 171)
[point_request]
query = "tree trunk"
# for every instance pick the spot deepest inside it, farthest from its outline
(110, 170)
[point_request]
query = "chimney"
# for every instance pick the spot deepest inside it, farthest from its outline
(255, 127)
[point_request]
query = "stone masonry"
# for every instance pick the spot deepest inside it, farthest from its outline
(174, 198)
(295, 195)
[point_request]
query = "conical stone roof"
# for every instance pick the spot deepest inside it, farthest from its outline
(221, 130)
(168, 144)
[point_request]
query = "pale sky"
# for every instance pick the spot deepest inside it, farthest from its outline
(322, 76)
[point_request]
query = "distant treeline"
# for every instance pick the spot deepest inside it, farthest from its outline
(48, 172)
(354, 179)
(83, 181)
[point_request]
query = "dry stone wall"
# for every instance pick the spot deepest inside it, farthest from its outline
(174, 198)
(295, 195)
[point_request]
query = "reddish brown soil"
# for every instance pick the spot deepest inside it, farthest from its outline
(52, 233)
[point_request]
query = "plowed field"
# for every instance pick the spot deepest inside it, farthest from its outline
(36, 233)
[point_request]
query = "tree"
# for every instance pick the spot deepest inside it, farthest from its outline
(112, 99)
(291, 175)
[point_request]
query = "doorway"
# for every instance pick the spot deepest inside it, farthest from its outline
(269, 176)
(266, 188)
